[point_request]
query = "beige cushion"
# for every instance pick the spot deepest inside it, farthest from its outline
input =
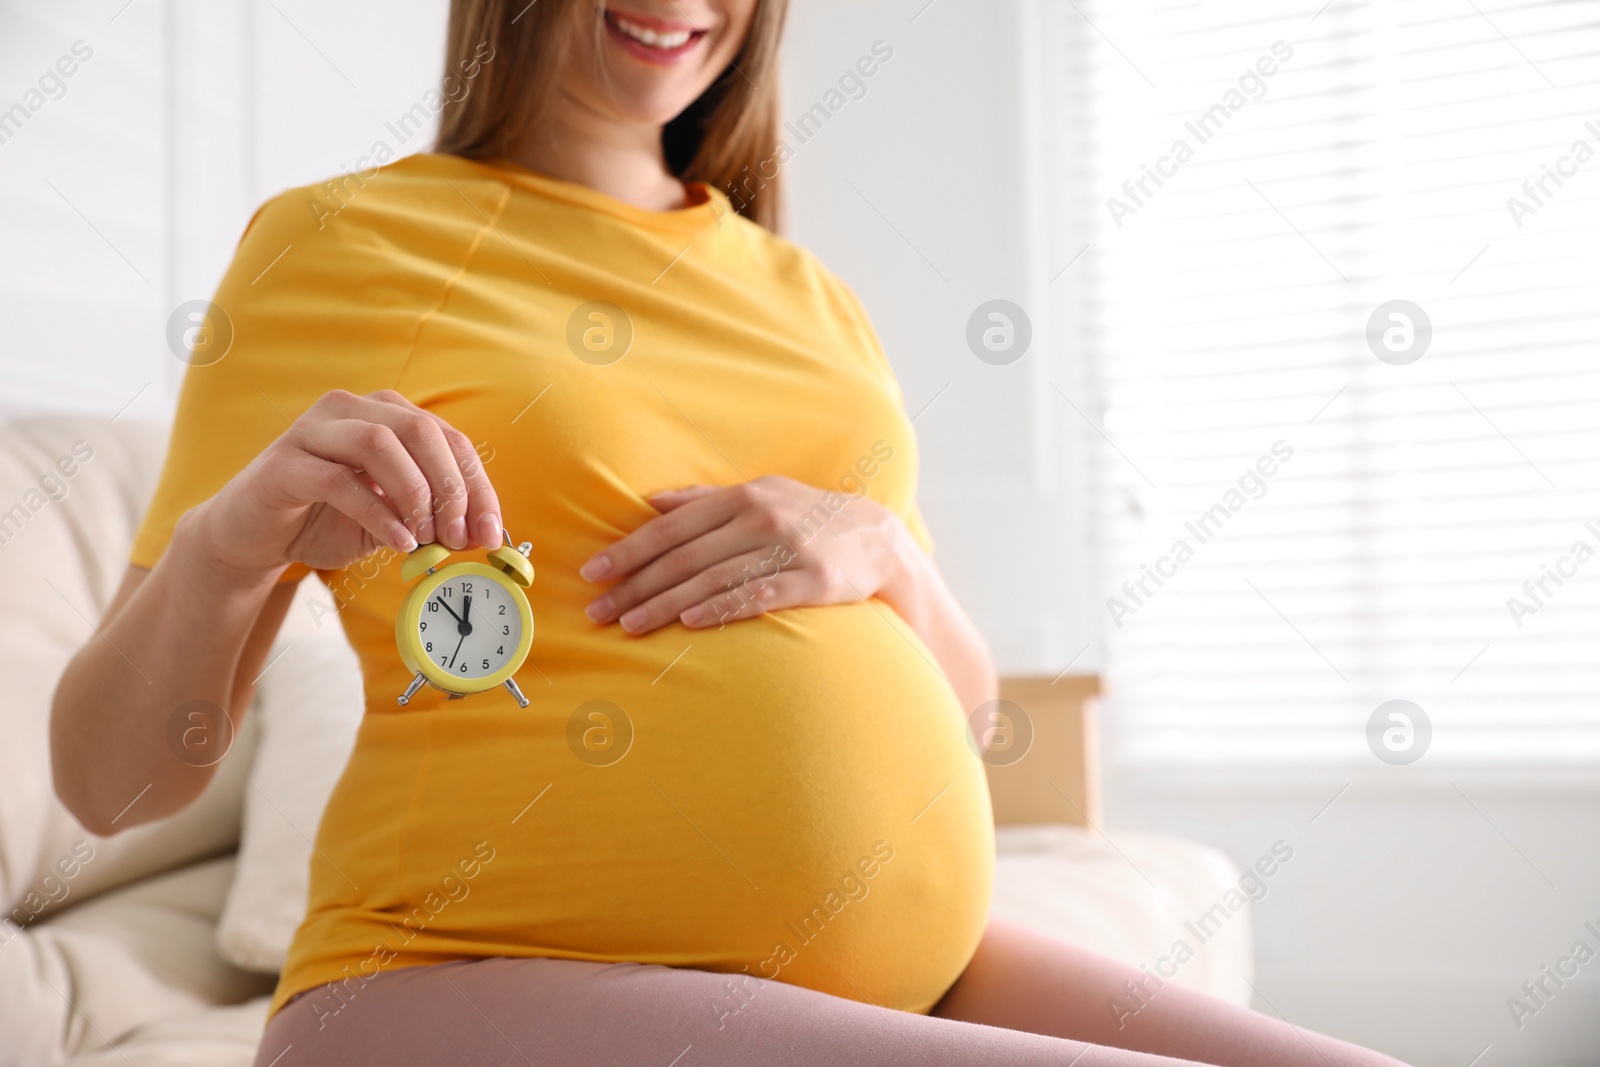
(1129, 902)
(144, 980)
(61, 560)
(217, 1037)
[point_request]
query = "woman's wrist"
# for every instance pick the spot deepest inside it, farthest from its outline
(198, 548)
(903, 586)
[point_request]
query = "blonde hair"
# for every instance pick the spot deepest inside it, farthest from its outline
(725, 138)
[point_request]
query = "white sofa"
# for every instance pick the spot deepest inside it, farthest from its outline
(110, 951)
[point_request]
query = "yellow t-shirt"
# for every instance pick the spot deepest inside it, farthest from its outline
(795, 796)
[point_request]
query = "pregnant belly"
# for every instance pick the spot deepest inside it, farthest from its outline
(791, 796)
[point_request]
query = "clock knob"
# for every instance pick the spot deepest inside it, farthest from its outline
(422, 560)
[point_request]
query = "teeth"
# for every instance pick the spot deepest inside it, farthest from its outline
(646, 36)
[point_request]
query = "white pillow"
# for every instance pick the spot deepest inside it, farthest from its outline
(309, 704)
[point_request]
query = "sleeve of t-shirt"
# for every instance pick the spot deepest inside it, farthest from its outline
(304, 308)
(858, 315)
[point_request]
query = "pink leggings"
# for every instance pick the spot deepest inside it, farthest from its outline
(523, 1012)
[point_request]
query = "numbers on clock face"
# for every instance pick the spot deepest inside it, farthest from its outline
(469, 626)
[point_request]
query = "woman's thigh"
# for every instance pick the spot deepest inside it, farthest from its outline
(513, 1013)
(1026, 981)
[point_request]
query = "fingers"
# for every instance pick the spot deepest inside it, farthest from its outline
(439, 514)
(672, 568)
(675, 498)
(742, 587)
(377, 451)
(681, 524)
(347, 492)
(427, 469)
(746, 601)
(483, 504)
(445, 457)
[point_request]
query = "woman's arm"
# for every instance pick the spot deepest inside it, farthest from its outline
(351, 474)
(916, 591)
(191, 628)
(720, 554)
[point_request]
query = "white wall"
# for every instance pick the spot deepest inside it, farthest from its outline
(82, 192)
(920, 196)
(125, 197)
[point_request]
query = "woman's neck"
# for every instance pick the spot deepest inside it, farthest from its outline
(624, 160)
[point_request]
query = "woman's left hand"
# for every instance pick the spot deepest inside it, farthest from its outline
(716, 554)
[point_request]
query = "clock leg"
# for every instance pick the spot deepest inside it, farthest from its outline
(411, 690)
(511, 684)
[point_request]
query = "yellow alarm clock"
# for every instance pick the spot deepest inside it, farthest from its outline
(466, 627)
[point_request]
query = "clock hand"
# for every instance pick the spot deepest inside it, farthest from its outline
(463, 627)
(447, 607)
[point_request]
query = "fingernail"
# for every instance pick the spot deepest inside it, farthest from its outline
(633, 621)
(425, 530)
(599, 609)
(693, 616)
(455, 534)
(596, 569)
(490, 525)
(403, 539)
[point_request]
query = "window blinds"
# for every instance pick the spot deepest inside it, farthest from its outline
(1301, 517)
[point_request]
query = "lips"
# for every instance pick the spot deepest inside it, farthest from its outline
(654, 40)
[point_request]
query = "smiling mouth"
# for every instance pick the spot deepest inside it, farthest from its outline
(653, 40)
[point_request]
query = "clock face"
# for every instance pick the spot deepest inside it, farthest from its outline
(470, 626)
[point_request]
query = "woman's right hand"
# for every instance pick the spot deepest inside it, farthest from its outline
(351, 474)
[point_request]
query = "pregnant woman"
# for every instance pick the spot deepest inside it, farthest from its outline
(739, 822)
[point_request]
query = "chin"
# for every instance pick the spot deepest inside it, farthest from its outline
(649, 107)
(638, 96)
